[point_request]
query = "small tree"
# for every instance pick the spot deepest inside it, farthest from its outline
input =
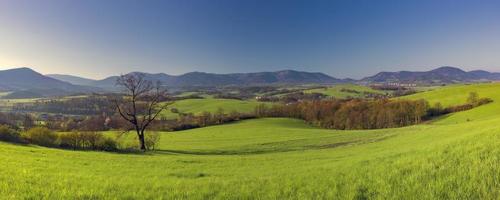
(28, 122)
(152, 139)
(141, 103)
(473, 98)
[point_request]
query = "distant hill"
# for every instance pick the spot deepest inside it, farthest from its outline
(26, 82)
(75, 80)
(442, 75)
(211, 79)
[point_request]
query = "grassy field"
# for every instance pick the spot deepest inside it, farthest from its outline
(336, 91)
(454, 157)
(197, 106)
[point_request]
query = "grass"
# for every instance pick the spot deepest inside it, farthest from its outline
(197, 106)
(450, 158)
(336, 91)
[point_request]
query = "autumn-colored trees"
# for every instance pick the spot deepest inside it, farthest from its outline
(351, 114)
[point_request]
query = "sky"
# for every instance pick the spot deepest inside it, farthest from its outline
(351, 38)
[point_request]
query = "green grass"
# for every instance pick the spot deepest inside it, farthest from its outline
(450, 158)
(336, 91)
(197, 106)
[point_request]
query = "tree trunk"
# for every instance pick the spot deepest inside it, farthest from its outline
(141, 141)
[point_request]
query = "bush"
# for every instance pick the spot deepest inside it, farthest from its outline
(87, 140)
(90, 140)
(9, 135)
(108, 144)
(151, 139)
(69, 140)
(41, 136)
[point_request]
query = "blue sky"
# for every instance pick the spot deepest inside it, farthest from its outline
(95, 38)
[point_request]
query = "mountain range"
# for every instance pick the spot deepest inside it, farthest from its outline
(441, 75)
(27, 83)
(237, 79)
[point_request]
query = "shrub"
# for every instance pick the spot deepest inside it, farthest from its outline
(151, 139)
(86, 140)
(108, 144)
(9, 135)
(90, 140)
(41, 136)
(69, 140)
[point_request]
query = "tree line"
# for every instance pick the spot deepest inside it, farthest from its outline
(364, 113)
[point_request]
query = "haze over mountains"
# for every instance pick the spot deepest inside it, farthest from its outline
(24, 82)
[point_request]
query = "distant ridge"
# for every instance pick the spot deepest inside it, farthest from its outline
(25, 83)
(71, 79)
(211, 79)
(441, 75)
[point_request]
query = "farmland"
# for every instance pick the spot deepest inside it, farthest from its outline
(453, 157)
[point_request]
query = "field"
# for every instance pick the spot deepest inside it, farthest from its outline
(197, 106)
(336, 91)
(453, 157)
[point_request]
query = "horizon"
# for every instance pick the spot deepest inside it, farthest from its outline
(96, 39)
(78, 76)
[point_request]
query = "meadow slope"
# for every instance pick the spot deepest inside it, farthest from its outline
(339, 91)
(197, 106)
(454, 157)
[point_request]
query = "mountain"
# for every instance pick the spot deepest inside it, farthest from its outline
(26, 82)
(211, 79)
(109, 83)
(441, 75)
(75, 80)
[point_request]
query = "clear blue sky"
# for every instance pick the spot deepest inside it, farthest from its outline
(96, 38)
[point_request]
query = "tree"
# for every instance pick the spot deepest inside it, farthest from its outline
(28, 122)
(141, 103)
(473, 98)
(152, 139)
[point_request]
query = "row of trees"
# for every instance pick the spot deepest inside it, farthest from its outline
(351, 114)
(364, 113)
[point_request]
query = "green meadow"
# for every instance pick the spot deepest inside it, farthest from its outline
(453, 157)
(336, 90)
(197, 106)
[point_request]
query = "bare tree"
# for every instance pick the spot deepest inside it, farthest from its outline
(141, 104)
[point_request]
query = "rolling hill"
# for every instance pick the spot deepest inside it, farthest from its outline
(26, 83)
(71, 79)
(211, 79)
(440, 75)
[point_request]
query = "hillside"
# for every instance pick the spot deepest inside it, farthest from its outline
(238, 79)
(455, 157)
(442, 75)
(197, 106)
(26, 83)
(71, 79)
(345, 91)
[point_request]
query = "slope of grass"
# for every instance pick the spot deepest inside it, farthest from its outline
(197, 106)
(457, 94)
(336, 91)
(279, 159)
